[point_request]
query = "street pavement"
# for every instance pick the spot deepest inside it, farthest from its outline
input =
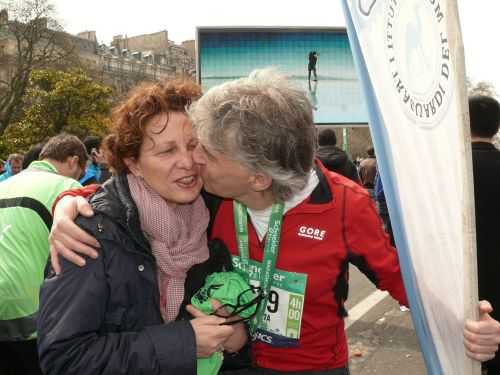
(381, 341)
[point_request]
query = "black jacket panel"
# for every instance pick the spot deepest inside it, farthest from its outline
(486, 163)
(92, 324)
(104, 318)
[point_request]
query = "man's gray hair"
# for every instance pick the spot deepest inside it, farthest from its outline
(265, 123)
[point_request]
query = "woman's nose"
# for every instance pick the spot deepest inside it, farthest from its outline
(186, 159)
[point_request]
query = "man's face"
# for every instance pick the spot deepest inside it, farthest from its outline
(16, 166)
(97, 156)
(222, 176)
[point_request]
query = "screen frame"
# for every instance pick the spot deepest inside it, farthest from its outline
(253, 29)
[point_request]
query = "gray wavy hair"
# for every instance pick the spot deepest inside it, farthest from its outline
(263, 122)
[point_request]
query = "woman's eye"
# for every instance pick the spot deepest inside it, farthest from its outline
(166, 151)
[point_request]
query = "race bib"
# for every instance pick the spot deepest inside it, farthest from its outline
(282, 318)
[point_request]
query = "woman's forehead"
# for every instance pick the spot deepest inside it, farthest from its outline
(164, 120)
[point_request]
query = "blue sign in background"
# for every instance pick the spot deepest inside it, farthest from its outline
(336, 96)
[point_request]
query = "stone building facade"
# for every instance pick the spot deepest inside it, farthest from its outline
(122, 64)
(157, 49)
(155, 42)
(190, 47)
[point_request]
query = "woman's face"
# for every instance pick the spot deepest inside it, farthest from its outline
(166, 158)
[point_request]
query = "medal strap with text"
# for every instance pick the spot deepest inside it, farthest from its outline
(271, 247)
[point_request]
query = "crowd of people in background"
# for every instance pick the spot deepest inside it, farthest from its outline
(12, 166)
(186, 186)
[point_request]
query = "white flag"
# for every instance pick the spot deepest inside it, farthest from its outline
(409, 55)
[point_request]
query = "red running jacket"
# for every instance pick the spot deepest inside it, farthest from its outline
(337, 225)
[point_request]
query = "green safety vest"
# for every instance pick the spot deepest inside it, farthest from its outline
(26, 201)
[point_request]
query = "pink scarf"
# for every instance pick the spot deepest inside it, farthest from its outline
(177, 235)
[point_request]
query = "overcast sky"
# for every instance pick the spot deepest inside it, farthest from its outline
(480, 21)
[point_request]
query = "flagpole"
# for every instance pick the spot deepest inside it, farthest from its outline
(436, 318)
(470, 249)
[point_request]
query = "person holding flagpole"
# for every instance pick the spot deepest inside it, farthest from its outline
(292, 226)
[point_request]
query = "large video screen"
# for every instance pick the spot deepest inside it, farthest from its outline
(318, 60)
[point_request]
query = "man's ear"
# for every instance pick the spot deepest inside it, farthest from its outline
(260, 181)
(73, 162)
(133, 167)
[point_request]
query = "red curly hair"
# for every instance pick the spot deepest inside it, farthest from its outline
(132, 115)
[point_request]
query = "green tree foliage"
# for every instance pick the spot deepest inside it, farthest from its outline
(59, 101)
(31, 39)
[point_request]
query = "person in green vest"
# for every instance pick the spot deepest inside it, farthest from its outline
(26, 200)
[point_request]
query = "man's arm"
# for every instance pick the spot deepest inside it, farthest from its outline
(369, 246)
(80, 191)
(371, 252)
(66, 238)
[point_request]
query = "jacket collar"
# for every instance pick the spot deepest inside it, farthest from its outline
(321, 199)
(113, 199)
(322, 194)
(43, 165)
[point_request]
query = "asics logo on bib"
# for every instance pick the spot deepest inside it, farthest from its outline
(262, 337)
(314, 233)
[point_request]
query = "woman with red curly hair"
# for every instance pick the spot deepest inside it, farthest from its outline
(120, 313)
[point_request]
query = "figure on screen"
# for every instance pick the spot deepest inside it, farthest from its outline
(313, 59)
(312, 94)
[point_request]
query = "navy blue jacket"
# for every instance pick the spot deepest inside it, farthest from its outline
(104, 318)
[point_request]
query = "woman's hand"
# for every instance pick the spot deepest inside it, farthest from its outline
(68, 239)
(240, 336)
(210, 334)
(237, 340)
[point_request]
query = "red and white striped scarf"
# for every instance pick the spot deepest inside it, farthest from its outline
(177, 235)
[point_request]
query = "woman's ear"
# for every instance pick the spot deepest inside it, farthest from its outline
(133, 166)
